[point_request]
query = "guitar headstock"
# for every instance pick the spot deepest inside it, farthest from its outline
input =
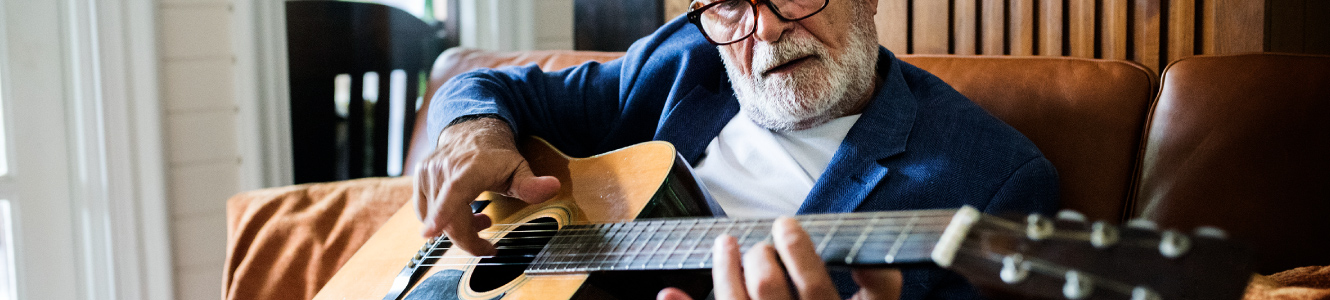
(1068, 257)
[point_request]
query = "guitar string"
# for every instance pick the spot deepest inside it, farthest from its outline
(599, 226)
(909, 249)
(921, 239)
(812, 217)
(569, 232)
(552, 245)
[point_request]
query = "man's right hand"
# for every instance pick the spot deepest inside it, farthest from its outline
(473, 157)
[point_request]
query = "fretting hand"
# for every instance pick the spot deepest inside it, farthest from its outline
(759, 274)
(473, 157)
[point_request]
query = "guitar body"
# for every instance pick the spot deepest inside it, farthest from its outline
(642, 181)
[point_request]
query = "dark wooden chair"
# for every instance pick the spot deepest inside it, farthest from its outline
(339, 131)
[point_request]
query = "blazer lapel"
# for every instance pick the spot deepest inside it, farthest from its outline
(881, 132)
(692, 121)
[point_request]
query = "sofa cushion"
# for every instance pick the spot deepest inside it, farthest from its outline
(285, 243)
(1086, 115)
(1242, 142)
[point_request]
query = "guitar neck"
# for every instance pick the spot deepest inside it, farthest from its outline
(872, 238)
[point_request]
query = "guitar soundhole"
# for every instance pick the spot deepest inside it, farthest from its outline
(516, 250)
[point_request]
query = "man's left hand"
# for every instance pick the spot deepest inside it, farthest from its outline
(759, 274)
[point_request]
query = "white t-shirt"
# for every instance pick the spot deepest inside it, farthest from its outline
(753, 172)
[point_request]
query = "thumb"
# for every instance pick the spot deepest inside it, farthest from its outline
(877, 284)
(529, 188)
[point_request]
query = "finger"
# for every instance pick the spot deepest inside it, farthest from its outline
(763, 274)
(672, 294)
(727, 271)
(454, 217)
(800, 258)
(418, 196)
(529, 188)
(480, 221)
(877, 284)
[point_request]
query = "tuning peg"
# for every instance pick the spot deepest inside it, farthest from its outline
(1038, 227)
(1071, 215)
(1014, 269)
(1078, 286)
(1211, 232)
(1173, 244)
(1144, 293)
(1103, 235)
(1143, 224)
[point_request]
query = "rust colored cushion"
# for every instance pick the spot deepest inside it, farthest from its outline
(285, 243)
(1086, 115)
(1242, 142)
(1301, 283)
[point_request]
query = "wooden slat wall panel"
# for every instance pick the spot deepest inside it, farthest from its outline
(1232, 20)
(993, 27)
(965, 35)
(893, 24)
(1051, 14)
(931, 27)
(1145, 33)
(1151, 32)
(1081, 31)
(1020, 27)
(1113, 34)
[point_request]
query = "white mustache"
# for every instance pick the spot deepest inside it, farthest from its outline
(769, 56)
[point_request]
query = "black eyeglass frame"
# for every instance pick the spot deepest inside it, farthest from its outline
(695, 17)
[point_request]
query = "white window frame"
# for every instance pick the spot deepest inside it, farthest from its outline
(87, 183)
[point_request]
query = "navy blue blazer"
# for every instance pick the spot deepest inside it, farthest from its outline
(918, 145)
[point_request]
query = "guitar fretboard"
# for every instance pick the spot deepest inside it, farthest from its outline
(678, 244)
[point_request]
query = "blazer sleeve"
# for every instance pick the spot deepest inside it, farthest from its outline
(589, 108)
(1032, 188)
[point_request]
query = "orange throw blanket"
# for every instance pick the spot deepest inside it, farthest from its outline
(285, 243)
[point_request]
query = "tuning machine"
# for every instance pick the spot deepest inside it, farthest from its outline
(1038, 227)
(1077, 286)
(1103, 235)
(1173, 244)
(1014, 269)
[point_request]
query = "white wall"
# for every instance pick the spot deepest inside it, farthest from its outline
(198, 61)
(513, 25)
(197, 64)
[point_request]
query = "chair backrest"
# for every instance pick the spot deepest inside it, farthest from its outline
(1086, 115)
(1242, 142)
(341, 127)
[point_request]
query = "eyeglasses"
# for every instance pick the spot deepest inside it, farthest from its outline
(725, 22)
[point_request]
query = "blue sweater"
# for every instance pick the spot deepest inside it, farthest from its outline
(918, 145)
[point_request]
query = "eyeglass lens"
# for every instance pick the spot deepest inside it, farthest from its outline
(733, 20)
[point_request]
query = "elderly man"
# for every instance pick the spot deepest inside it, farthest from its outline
(784, 107)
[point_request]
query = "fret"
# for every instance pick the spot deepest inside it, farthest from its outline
(610, 244)
(633, 246)
(692, 250)
(827, 238)
(859, 243)
(891, 254)
(706, 259)
(678, 242)
(656, 250)
(740, 242)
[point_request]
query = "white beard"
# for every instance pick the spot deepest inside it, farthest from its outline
(819, 90)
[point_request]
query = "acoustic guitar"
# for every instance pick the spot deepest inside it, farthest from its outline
(625, 224)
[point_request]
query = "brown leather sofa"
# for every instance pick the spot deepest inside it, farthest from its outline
(1238, 142)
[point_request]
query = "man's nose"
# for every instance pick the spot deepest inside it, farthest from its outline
(769, 27)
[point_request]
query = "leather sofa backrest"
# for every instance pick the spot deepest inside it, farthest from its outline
(1086, 115)
(1242, 142)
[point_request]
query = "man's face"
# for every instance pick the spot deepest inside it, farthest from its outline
(796, 75)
